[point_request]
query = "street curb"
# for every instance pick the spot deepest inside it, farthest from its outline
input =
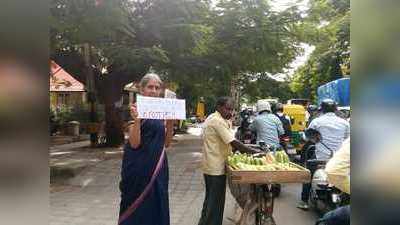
(61, 172)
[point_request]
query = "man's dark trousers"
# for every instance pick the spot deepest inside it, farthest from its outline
(306, 190)
(307, 154)
(214, 202)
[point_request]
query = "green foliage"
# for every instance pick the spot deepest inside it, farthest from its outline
(330, 22)
(250, 38)
(198, 47)
(267, 87)
(240, 39)
(61, 114)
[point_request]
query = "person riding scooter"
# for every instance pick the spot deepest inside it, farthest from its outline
(333, 130)
(338, 168)
(338, 172)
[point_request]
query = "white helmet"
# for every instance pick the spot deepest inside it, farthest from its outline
(263, 105)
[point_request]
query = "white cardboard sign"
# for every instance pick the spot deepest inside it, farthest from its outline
(161, 108)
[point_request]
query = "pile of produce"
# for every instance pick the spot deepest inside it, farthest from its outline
(269, 162)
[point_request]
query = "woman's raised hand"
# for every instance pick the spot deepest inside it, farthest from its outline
(133, 111)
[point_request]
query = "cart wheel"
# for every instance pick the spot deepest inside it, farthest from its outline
(264, 220)
(269, 221)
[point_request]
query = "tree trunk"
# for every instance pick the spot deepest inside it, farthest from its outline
(91, 91)
(112, 87)
(235, 93)
(113, 129)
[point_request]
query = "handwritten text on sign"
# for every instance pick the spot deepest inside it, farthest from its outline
(161, 108)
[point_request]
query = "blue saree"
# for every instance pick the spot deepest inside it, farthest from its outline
(137, 168)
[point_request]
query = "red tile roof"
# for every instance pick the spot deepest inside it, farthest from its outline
(60, 80)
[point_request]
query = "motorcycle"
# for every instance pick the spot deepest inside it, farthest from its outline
(324, 197)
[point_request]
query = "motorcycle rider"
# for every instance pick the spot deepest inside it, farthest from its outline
(339, 216)
(267, 126)
(338, 171)
(285, 120)
(334, 130)
(338, 168)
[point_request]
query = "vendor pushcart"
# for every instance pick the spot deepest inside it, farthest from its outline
(250, 181)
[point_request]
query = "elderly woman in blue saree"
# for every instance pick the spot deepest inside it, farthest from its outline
(144, 172)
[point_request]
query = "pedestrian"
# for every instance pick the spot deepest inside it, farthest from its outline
(334, 130)
(267, 126)
(144, 172)
(218, 141)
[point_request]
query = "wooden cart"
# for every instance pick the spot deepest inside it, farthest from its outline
(253, 191)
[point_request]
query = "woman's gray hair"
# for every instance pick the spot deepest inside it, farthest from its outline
(147, 78)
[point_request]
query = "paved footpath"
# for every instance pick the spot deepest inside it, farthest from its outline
(92, 197)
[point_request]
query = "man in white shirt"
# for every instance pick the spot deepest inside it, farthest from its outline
(334, 130)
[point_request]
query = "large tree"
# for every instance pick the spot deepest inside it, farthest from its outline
(266, 87)
(205, 50)
(242, 41)
(126, 39)
(251, 38)
(327, 27)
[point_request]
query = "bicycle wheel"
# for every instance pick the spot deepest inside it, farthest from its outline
(259, 212)
(258, 217)
(264, 199)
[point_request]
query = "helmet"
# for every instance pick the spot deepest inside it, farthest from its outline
(263, 105)
(328, 105)
(312, 108)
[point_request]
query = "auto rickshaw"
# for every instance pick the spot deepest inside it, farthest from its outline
(297, 115)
